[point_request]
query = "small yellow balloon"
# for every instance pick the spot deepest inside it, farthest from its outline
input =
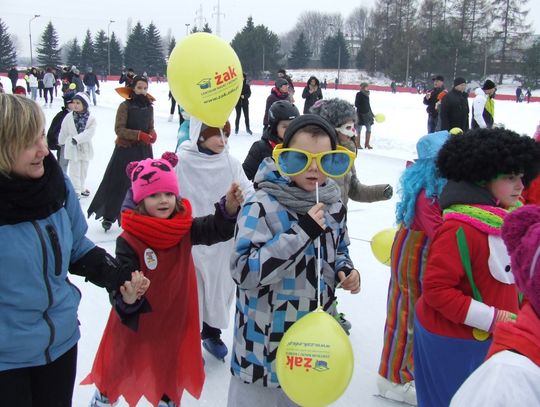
(381, 245)
(315, 361)
(380, 117)
(455, 131)
(205, 77)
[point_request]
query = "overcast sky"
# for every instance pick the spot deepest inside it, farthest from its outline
(72, 18)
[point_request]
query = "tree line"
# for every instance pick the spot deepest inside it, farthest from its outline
(407, 40)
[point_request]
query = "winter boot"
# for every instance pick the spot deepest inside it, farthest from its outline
(236, 130)
(171, 117)
(357, 141)
(99, 400)
(249, 132)
(368, 136)
(404, 393)
(216, 348)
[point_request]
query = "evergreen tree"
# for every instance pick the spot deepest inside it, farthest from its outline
(257, 48)
(100, 53)
(135, 49)
(87, 52)
(172, 44)
(300, 53)
(334, 52)
(73, 53)
(8, 55)
(116, 56)
(531, 65)
(48, 51)
(207, 29)
(153, 57)
(511, 30)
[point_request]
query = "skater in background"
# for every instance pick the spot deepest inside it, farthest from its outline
(454, 110)
(365, 115)
(48, 86)
(204, 170)
(419, 216)
(511, 373)
(173, 108)
(282, 73)
(431, 101)
(54, 130)
(33, 83)
(528, 94)
(312, 93)
(42, 229)
(13, 75)
(279, 116)
(76, 133)
(466, 288)
(273, 263)
(483, 106)
(135, 134)
(279, 92)
(91, 82)
(151, 344)
(243, 105)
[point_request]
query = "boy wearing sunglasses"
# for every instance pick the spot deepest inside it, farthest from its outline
(296, 202)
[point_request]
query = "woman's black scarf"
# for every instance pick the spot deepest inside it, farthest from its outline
(27, 199)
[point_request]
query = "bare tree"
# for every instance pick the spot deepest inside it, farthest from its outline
(316, 26)
(357, 23)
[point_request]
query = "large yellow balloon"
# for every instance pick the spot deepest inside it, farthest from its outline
(380, 117)
(314, 361)
(205, 77)
(381, 245)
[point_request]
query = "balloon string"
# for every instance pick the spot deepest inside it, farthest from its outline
(318, 242)
(227, 153)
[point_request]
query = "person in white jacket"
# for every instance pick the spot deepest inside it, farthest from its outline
(205, 170)
(78, 128)
(483, 107)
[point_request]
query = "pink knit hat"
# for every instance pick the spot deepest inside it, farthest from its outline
(521, 233)
(151, 176)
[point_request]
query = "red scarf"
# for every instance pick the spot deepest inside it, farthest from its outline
(521, 336)
(156, 232)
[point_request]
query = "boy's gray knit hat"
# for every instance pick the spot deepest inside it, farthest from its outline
(336, 111)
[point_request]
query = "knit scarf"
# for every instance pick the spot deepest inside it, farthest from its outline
(486, 218)
(28, 199)
(521, 336)
(156, 232)
(80, 120)
(298, 200)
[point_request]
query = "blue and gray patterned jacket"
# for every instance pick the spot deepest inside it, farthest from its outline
(274, 267)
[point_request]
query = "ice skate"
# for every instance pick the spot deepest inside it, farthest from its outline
(216, 348)
(404, 393)
(99, 400)
(106, 224)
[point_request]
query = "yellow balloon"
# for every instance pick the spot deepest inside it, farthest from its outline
(455, 131)
(315, 361)
(205, 77)
(380, 117)
(381, 245)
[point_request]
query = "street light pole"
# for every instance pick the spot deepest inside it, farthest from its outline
(187, 28)
(30, 34)
(109, 48)
(338, 61)
(407, 70)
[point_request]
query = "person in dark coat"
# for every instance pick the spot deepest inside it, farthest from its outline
(282, 73)
(13, 76)
(364, 113)
(54, 130)
(312, 92)
(243, 105)
(281, 113)
(279, 92)
(430, 100)
(127, 78)
(135, 133)
(455, 107)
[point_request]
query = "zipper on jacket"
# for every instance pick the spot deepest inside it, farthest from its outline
(53, 236)
(49, 291)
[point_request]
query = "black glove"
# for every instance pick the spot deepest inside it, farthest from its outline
(97, 92)
(388, 192)
(74, 142)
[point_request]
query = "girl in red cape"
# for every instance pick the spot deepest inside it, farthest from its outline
(162, 327)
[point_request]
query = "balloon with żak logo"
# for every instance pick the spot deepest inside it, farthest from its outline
(205, 77)
(315, 360)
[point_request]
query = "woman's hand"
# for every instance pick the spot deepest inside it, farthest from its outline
(233, 199)
(350, 283)
(133, 290)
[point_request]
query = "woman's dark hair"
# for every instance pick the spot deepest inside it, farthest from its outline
(480, 155)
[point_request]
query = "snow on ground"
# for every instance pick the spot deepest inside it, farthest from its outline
(394, 143)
